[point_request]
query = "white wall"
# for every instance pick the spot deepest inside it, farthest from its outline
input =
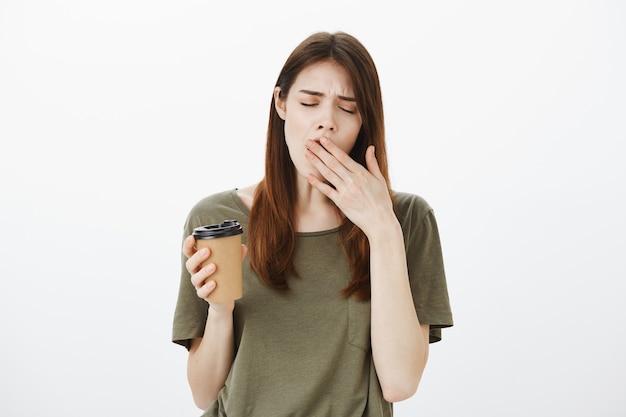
(508, 117)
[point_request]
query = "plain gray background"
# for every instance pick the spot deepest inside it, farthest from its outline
(117, 116)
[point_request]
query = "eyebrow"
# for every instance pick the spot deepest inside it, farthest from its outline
(318, 94)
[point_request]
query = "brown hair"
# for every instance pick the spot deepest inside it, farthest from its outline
(271, 231)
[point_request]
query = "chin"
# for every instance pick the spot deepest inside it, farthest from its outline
(305, 169)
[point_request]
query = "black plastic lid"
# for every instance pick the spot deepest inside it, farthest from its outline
(211, 231)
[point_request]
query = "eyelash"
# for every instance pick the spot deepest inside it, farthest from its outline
(311, 105)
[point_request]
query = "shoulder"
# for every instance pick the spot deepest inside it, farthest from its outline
(410, 207)
(215, 208)
(211, 202)
(246, 194)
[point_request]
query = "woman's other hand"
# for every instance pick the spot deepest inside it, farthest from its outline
(360, 193)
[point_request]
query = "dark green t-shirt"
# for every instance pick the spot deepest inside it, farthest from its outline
(307, 352)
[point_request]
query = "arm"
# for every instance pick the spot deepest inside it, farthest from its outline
(399, 341)
(210, 357)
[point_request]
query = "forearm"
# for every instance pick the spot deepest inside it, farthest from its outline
(399, 346)
(210, 358)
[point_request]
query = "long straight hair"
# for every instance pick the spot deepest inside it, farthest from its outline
(271, 230)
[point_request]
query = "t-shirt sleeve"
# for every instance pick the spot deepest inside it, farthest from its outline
(426, 269)
(191, 311)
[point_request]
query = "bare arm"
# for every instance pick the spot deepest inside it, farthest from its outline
(399, 341)
(210, 359)
(211, 356)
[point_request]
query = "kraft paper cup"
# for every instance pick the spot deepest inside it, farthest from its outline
(224, 242)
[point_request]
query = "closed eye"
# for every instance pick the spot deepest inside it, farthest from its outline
(347, 110)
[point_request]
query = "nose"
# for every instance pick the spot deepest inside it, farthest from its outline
(327, 120)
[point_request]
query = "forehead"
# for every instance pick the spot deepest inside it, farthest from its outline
(326, 77)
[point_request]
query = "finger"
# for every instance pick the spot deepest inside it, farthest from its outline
(338, 162)
(322, 187)
(323, 168)
(193, 263)
(188, 246)
(244, 251)
(206, 289)
(344, 159)
(201, 277)
(372, 162)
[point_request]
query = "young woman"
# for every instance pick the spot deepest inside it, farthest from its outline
(344, 283)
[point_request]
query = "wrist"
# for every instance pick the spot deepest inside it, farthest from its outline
(221, 311)
(384, 230)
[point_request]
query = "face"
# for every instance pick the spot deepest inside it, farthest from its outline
(320, 103)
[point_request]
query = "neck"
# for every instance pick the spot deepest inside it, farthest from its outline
(314, 211)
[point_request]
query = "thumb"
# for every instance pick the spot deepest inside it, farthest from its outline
(372, 162)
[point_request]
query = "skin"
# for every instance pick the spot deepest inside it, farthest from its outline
(321, 127)
(319, 107)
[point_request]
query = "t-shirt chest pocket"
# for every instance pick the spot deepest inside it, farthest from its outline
(359, 320)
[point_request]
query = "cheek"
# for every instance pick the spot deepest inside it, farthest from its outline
(293, 127)
(348, 144)
(291, 136)
(293, 140)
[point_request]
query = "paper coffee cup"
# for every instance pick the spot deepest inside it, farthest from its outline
(224, 242)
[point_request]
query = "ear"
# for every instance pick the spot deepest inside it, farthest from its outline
(279, 104)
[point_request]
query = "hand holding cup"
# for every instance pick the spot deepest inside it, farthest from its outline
(214, 255)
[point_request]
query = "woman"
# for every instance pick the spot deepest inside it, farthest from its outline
(344, 284)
